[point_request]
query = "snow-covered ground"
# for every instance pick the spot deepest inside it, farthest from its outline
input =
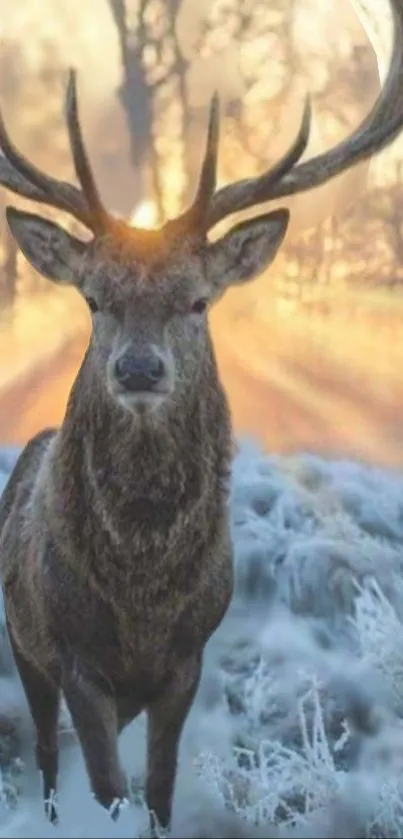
(298, 726)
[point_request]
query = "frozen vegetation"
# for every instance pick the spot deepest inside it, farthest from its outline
(298, 725)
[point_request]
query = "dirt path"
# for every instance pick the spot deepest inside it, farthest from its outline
(38, 398)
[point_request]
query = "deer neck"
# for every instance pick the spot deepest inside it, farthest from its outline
(138, 486)
(143, 452)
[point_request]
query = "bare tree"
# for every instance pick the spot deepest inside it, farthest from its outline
(140, 47)
(134, 91)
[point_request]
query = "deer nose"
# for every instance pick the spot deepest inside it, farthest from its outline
(139, 373)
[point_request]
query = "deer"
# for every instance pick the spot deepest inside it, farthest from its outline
(116, 557)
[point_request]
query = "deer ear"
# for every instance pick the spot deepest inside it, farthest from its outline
(246, 250)
(50, 249)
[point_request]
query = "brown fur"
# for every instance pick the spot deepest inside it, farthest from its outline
(115, 552)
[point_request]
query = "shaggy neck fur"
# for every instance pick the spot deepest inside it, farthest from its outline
(134, 488)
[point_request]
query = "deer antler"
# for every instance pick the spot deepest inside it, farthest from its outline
(378, 130)
(99, 215)
(198, 216)
(23, 177)
(287, 177)
(208, 175)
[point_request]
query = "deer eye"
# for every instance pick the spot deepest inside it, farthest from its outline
(199, 306)
(92, 304)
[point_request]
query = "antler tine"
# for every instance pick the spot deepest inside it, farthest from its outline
(24, 178)
(243, 194)
(208, 175)
(377, 130)
(99, 216)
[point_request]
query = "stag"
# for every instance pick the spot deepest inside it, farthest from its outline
(115, 547)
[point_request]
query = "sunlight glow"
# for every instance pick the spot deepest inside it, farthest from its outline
(145, 215)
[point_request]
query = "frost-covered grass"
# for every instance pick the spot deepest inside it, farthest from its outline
(297, 729)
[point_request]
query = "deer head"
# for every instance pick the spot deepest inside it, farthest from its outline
(149, 291)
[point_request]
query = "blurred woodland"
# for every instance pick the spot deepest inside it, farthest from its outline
(319, 351)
